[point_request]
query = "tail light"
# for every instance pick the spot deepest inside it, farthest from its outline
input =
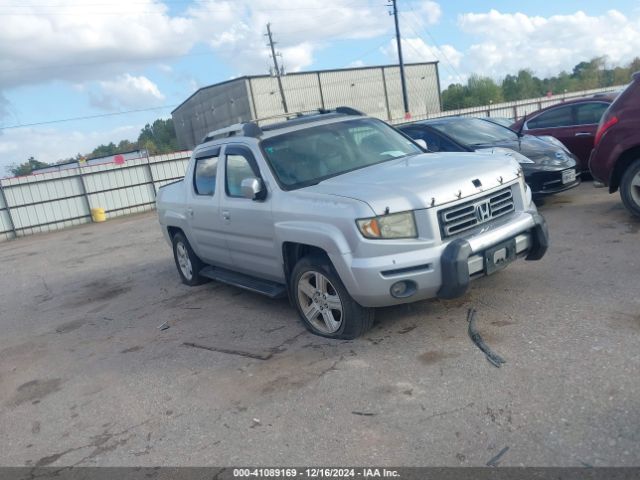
(605, 125)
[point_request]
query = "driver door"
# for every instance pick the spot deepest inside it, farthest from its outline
(248, 224)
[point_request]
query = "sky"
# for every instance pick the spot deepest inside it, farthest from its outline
(92, 60)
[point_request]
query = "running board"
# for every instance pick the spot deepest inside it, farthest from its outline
(253, 284)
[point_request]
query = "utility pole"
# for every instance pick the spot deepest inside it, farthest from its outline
(275, 65)
(405, 100)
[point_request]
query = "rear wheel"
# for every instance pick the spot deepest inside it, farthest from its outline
(323, 303)
(187, 262)
(630, 188)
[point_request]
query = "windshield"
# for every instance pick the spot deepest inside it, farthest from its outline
(310, 155)
(473, 131)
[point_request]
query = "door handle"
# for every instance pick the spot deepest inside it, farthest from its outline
(226, 215)
(190, 212)
(583, 134)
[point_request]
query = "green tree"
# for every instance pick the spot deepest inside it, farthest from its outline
(27, 167)
(103, 151)
(478, 91)
(453, 97)
(524, 85)
(159, 137)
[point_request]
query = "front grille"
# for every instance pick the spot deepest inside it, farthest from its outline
(465, 216)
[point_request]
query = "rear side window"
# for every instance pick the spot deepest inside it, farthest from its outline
(556, 117)
(204, 177)
(590, 113)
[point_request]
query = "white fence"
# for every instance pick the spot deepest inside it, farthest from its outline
(55, 200)
(511, 110)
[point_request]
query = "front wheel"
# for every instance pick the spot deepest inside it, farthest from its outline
(323, 303)
(187, 262)
(630, 188)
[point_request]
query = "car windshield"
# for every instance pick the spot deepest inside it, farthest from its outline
(473, 131)
(307, 156)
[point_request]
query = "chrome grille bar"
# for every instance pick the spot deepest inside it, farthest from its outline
(468, 215)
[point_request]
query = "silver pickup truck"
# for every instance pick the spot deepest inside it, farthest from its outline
(343, 213)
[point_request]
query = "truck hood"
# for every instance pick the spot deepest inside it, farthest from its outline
(422, 181)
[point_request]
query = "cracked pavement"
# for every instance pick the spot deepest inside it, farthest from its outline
(87, 377)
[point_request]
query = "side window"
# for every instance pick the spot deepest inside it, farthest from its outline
(590, 113)
(204, 177)
(435, 142)
(238, 168)
(556, 117)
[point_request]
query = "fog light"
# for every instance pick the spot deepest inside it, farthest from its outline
(403, 289)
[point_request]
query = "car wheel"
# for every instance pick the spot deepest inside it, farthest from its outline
(323, 303)
(187, 262)
(630, 188)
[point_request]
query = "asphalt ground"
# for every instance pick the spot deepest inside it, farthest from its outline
(88, 378)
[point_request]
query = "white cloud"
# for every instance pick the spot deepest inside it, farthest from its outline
(299, 28)
(126, 91)
(76, 41)
(79, 42)
(53, 144)
(508, 42)
(429, 12)
(417, 50)
(86, 42)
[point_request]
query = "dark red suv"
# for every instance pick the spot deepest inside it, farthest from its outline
(615, 158)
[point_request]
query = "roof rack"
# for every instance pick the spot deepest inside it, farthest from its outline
(248, 129)
(252, 128)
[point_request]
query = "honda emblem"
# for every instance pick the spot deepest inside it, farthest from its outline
(483, 211)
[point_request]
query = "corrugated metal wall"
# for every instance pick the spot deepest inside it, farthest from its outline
(374, 90)
(56, 200)
(212, 108)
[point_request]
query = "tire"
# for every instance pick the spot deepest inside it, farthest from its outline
(187, 262)
(630, 188)
(315, 288)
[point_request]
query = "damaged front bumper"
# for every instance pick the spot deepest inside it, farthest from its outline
(461, 261)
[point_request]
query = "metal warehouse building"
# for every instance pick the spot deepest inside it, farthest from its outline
(376, 91)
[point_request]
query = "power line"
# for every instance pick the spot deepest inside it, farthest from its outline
(88, 117)
(426, 44)
(444, 55)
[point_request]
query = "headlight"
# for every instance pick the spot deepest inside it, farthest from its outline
(561, 155)
(528, 195)
(395, 225)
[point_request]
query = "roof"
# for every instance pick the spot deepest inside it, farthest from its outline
(249, 77)
(253, 130)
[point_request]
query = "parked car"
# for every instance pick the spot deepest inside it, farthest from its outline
(548, 167)
(615, 159)
(344, 213)
(573, 122)
(505, 122)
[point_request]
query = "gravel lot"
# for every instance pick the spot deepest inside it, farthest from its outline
(87, 378)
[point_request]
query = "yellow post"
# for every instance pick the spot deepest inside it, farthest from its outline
(98, 215)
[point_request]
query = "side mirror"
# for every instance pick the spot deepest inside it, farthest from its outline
(422, 143)
(251, 187)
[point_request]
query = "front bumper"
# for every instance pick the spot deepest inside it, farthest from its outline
(443, 270)
(548, 182)
(457, 259)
